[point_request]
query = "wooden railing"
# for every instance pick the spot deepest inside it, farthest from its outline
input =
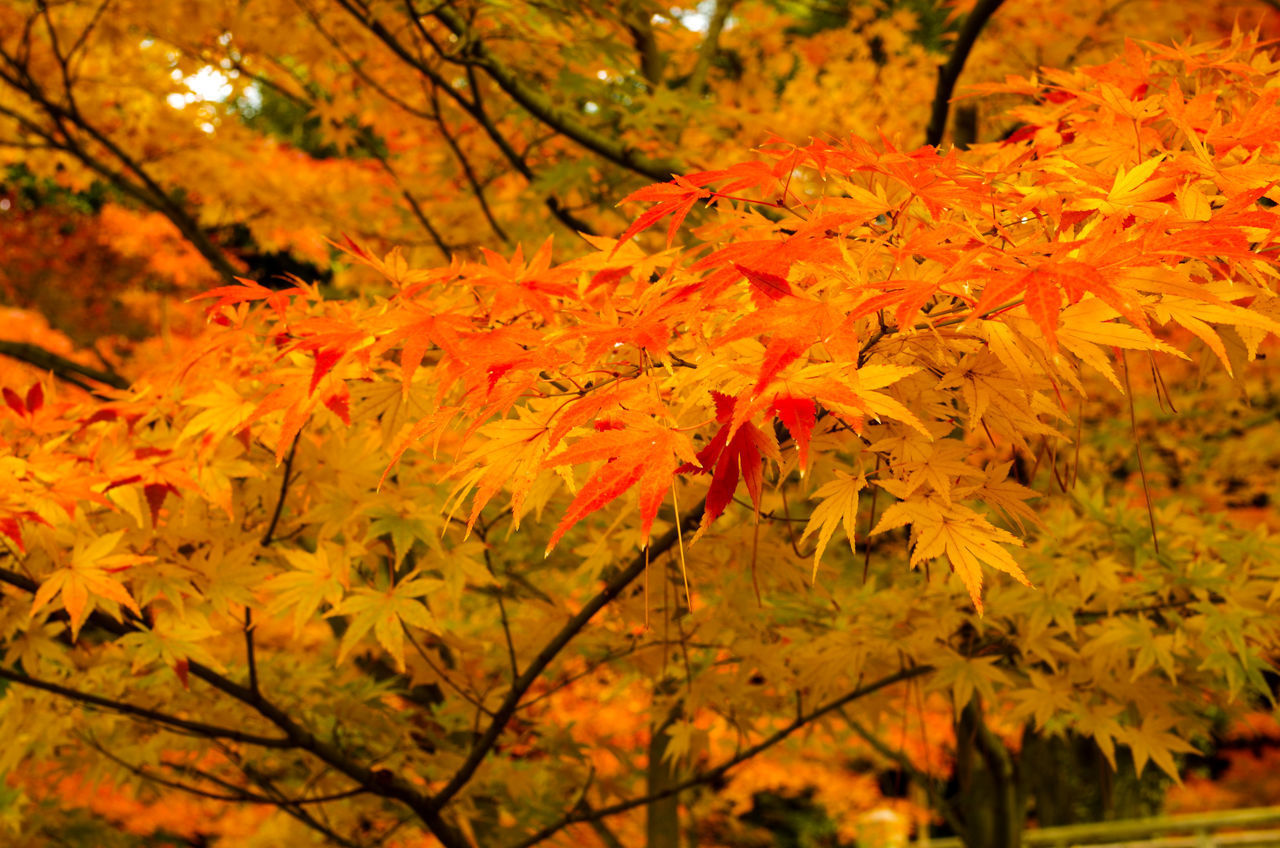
(1258, 827)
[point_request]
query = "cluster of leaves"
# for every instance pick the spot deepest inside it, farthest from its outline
(273, 569)
(432, 128)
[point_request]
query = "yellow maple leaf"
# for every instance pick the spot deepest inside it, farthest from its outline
(88, 578)
(386, 612)
(839, 506)
(962, 535)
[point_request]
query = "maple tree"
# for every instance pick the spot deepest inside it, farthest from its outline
(504, 550)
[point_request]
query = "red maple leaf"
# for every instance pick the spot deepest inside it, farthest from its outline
(732, 454)
(798, 415)
(646, 456)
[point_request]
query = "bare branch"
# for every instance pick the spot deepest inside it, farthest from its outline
(141, 185)
(541, 107)
(267, 538)
(465, 164)
(474, 109)
(949, 73)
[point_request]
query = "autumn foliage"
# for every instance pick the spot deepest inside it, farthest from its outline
(838, 455)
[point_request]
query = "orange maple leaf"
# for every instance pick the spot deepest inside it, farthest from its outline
(646, 456)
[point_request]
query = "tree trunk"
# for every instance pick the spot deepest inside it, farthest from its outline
(990, 800)
(664, 814)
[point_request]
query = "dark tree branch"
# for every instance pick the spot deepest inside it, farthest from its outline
(354, 65)
(142, 186)
(638, 24)
(62, 368)
(473, 700)
(475, 109)
(541, 107)
(83, 37)
(208, 731)
(710, 46)
(552, 649)
(419, 215)
(949, 73)
(476, 188)
(234, 794)
(250, 651)
(292, 807)
(269, 535)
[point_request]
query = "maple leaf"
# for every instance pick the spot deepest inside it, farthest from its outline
(1133, 187)
(27, 406)
(87, 578)
(393, 266)
(733, 452)
(320, 577)
(386, 612)
(248, 291)
(642, 455)
(1152, 741)
(10, 527)
(1043, 287)
(839, 507)
(798, 415)
(765, 283)
(404, 530)
(675, 198)
(962, 535)
(224, 412)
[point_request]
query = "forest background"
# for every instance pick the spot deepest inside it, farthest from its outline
(409, 535)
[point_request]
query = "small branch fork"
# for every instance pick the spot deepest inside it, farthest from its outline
(267, 538)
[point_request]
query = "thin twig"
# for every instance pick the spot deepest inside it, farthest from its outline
(1137, 450)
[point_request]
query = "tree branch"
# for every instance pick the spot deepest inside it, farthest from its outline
(267, 538)
(552, 649)
(145, 189)
(209, 731)
(476, 188)
(638, 24)
(474, 109)
(949, 73)
(382, 783)
(710, 46)
(62, 368)
(541, 107)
